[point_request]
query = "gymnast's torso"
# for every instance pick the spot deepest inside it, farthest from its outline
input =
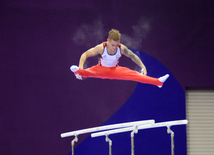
(109, 60)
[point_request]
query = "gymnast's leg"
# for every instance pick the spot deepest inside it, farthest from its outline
(119, 73)
(124, 73)
(96, 71)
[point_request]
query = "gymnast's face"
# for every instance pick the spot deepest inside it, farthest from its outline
(112, 46)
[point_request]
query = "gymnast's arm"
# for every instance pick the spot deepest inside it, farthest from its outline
(90, 53)
(125, 51)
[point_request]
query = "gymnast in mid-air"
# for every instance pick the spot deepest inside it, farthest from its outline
(107, 68)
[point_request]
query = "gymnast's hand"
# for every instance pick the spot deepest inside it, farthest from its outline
(143, 71)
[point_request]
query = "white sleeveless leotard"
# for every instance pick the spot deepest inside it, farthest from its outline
(108, 60)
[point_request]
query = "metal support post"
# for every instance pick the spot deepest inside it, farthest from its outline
(110, 144)
(169, 131)
(72, 143)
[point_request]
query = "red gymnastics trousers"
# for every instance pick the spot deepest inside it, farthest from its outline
(118, 73)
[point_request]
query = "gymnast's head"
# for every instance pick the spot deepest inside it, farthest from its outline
(114, 35)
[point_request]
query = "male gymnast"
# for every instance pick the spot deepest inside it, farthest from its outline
(107, 68)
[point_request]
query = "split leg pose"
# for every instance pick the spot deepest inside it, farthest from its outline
(107, 68)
